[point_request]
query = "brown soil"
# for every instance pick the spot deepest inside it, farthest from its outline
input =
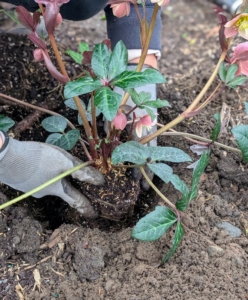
(47, 251)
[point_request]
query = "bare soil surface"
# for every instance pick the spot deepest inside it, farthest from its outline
(47, 251)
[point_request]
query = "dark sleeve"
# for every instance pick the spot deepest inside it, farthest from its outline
(75, 10)
(127, 29)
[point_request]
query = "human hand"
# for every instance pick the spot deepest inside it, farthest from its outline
(26, 165)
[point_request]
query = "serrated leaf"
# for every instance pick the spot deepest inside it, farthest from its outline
(176, 240)
(241, 135)
(71, 104)
(118, 61)
(6, 123)
(223, 72)
(132, 79)
(54, 124)
(163, 171)
(181, 186)
(237, 81)
(154, 225)
(77, 57)
(198, 171)
(67, 141)
(81, 86)
(156, 103)
(132, 151)
(107, 102)
(83, 46)
(231, 71)
(217, 127)
(168, 154)
(100, 60)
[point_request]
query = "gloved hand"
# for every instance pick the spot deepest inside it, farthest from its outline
(26, 165)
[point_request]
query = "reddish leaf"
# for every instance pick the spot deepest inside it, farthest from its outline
(87, 56)
(36, 18)
(107, 42)
(25, 18)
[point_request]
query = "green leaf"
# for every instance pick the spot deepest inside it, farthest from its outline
(163, 171)
(118, 61)
(71, 103)
(67, 141)
(223, 72)
(217, 127)
(81, 86)
(168, 154)
(156, 103)
(181, 186)
(154, 225)
(83, 46)
(100, 60)
(107, 102)
(231, 71)
(237, 81)
(241, 134)
(5, 123)
(133, 152)
(54, 124)
(132, 79)
(150, 113)
(137, 98)
(176, 240)
(246, 107)
(198, 171)
(77, 57)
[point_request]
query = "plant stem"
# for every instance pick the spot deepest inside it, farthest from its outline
(80, 108)
(49, 112)
(46, 184)
(193, 105)
(145, 48)
(157, 190)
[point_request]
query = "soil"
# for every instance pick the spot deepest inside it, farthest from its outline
(47, 251)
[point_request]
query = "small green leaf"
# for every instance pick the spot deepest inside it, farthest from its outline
(6, 123)
(237, 81)
(198, 171)
(83, 46)
(138, 98)
(217, 127)
(132, 79)
(81, 86)
(241, 134)
(71, 103)
(157, 103)
(107, 102)
(77, 57)
(54, 124)
(181, 186)
(176, 240)
(133, 152)
(154, 225)
(168, 154)
(118, 61)
(163, 171)
(223, 72)
(231, 71)
(67, 141)
(100, 60)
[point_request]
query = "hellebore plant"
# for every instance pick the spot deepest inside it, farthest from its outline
(106, 70)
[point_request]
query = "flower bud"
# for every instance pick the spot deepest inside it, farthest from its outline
(38, 55)
(120, 121)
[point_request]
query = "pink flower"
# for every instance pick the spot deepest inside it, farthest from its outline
(121, 10)
(237, 25)
(240, 57)
(161, 2)
(145, 121)
(120, 121)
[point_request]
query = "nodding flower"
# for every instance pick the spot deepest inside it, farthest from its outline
(145, 121)
(237, 25)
